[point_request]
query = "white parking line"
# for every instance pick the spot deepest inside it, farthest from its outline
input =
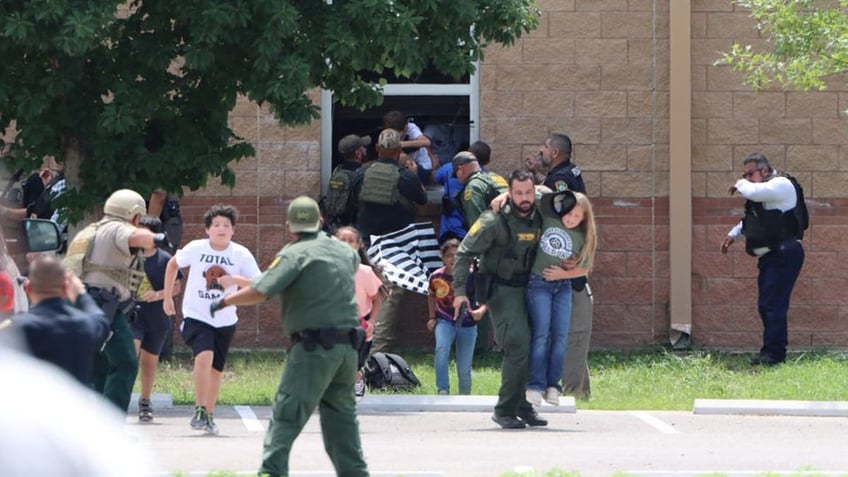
(248, 417)
(654, 422)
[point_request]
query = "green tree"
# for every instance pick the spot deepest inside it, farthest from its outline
(807, 40)
(136, 94)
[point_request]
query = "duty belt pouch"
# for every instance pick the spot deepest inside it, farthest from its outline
(327, 337)
(579, 283)
(483, 286)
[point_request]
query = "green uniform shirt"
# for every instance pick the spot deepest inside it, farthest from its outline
(557, 243)
(507, 256)
(479, 190)
(314, 278)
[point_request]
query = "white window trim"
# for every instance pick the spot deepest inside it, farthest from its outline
(471, 89)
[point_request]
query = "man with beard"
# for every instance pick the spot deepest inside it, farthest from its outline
(505, 244)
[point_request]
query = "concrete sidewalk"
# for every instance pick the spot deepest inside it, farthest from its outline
(431, 403)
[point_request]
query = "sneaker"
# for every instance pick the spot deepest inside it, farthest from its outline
(360, 389)
(199, 419)
(534, 397)
(210, 427)
(552, 396)
(444, 392)
(145, 410)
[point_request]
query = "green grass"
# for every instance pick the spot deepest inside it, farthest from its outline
(646, 380)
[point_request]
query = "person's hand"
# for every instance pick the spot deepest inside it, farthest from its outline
(216, 305)
(161, 240)
(226, 281)
(728, 241)
(552, 273)
(168, 307)
(532, 163)
(369, 329)
(431, 324)
(569, 263)
(477, 313)
(149, 296)
(457, 304)
(75, 286)
(499, 202)
(732, 190)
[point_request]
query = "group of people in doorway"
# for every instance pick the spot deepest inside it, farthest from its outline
(518, 253)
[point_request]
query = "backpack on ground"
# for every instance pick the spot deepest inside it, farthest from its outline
(802, 217)
(389, 371)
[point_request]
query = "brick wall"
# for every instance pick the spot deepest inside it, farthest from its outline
(599, 71)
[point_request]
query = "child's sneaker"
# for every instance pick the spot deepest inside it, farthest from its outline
(359, 389)
(552, 396)
(210, 427)
(145, 410)
(199, 419)
(534, 397)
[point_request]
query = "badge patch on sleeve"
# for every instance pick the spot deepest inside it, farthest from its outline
(466, 195)
(274, 263)
(560, 186)
(475, 227)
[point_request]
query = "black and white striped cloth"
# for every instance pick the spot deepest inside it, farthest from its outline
(407, 256)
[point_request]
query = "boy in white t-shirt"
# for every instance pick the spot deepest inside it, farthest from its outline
(217, 265)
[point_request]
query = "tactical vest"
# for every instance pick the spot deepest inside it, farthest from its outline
(338, 193)
(79, 252)
(513, 250)
(768, 228)
(380, 186)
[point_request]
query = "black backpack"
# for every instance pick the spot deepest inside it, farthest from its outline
(389, 371)
(802, 217)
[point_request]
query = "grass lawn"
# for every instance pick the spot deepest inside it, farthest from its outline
(647, 380)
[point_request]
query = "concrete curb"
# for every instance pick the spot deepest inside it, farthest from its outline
(771, 407)
(430, 403)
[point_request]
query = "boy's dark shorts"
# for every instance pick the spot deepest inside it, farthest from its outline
(151, 330)
(201, 336)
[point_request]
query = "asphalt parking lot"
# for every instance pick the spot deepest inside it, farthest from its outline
(399, 440)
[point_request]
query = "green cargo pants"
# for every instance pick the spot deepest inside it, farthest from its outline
(116, 366)
(319, 378)
(512, 332)
(575, 369)
(386, 322)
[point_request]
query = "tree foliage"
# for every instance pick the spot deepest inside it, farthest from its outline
(808, 42)
(137, 94)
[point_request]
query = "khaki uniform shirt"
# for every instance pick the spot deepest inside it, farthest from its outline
(111, 247)
(314, 277)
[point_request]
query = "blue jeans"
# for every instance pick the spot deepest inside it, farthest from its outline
(446, 334)
(549, 306)
(778, 271)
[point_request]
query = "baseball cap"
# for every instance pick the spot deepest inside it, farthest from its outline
(560, 203)
(352, 142)
(463, 157)
(389, 139)
(304, 215)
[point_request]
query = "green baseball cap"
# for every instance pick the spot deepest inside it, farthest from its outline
(304, 215)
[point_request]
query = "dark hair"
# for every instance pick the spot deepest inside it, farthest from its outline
(218, 210)
(363, 258)
(519, 175)
(759, 159)
(394, 120)
(481, 151)
(561, 142)
(151, 223)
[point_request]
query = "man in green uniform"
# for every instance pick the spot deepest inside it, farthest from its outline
(478, 189)
(313, 275)
(106, 256)
(505, 244)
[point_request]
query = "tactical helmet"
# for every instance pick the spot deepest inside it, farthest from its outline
(125, 204)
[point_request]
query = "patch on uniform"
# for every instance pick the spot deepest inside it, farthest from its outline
(274, 263)
(475, 227)
(499, 180)
(576, 171)
(466, 195)
(526, 237)
(560, 186)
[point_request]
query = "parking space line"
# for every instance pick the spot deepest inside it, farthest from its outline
(248, 417)
(654, 422)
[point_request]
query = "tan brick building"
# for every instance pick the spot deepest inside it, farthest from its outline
(659, 133)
